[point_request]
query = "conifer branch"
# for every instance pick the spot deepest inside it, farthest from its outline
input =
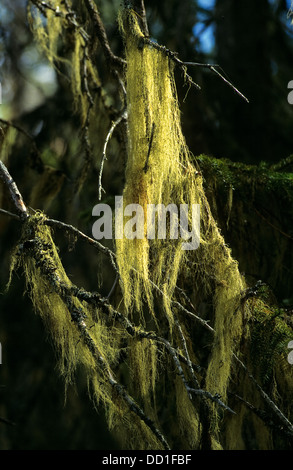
(36, 250)
(264, 416)
(183, 66)
(94, 297)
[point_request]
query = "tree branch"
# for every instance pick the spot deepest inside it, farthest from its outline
(10, 214)
(273, 407)
(36, 250)
(183, 66)
(79, 234)
(14, 192)
(139, 7)
(214, 69)
(114, 61)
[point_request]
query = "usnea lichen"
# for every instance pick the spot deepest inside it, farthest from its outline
(171, 178)
(48, 30)
(65, 316)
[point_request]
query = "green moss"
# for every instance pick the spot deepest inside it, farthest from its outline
(270, 335)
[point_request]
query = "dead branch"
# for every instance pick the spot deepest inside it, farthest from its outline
(114, 61)
(14, 192)
(273, 407)
(214, 68)
(183, 66)
(35, 250)
(79, 234)
(139, 7)
(115, 123)
(10, 214)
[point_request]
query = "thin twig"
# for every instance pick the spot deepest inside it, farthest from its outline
(100, 31)
(274, 408)
(7, 421)
(104, 155)
(213, 69)
(263, 415)
(29, 137)
(215, 398)
(149, 149)
(272, 225)
(10, 214)
(139, 8)
(79, 234)
(14, 192)
(183, 65)
(113, 287)
(189, 363)
(173, 56)
(36, 250)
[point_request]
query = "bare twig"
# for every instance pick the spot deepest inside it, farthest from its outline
(264, 416)
(7, 421)
(213, 68)
(114, 61)
(189, 363)
(37, 156)
(149, 149)
(274, 408)
(113, 287)
(104, 155)
(272, 225)
(215, 398)
(14, 192)
(10, 214)
(173, 56)
(139, 7)
(183, 66)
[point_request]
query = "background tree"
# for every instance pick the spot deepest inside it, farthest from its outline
(54, 150)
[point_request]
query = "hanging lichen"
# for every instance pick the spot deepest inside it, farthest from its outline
(79, 333)
(157, 168)
(155, 133)
(48, 29)
(151, 345)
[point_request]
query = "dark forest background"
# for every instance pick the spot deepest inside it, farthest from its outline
(253, 44)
